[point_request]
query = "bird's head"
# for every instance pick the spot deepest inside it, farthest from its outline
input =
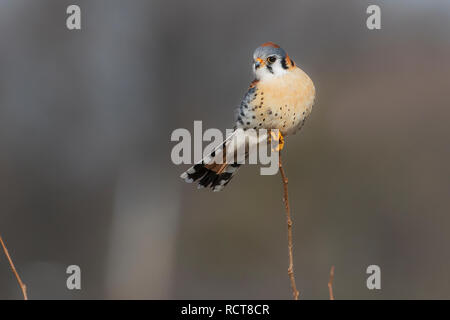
(270, 60)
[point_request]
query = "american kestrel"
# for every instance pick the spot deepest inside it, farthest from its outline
(280, 97)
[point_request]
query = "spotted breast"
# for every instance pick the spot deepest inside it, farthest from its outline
(282, 102)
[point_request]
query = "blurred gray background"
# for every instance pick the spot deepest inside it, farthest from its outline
(86, 176)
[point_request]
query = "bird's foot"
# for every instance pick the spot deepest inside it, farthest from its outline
(280, 140)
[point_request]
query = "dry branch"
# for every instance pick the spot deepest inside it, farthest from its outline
(291, 275)
(330, 283)
(23, 287)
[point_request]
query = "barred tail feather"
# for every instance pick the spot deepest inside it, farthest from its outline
(208, 177)
(218, 175)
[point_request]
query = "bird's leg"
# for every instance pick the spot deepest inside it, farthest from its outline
(280, 139)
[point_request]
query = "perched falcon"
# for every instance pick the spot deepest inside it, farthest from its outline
(280, 97)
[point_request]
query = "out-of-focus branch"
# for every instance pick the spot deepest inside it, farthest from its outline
(295, 292)
(330, 283)
(23, 287)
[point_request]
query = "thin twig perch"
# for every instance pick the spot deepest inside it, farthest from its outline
(291, 275)
(23, 287)
(330, 283)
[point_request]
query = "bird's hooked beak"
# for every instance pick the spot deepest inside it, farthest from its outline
(259, 62)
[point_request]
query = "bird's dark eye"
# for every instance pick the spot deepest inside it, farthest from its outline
(271, 59)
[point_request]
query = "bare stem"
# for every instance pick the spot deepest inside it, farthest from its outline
(291, 275)
(23, 287)
(330, 283)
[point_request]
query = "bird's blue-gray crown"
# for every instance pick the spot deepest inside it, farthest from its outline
(269, 49)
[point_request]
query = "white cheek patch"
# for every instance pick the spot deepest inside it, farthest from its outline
(278, 69)
(264, 72)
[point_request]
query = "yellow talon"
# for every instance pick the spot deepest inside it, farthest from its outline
(280, 139)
